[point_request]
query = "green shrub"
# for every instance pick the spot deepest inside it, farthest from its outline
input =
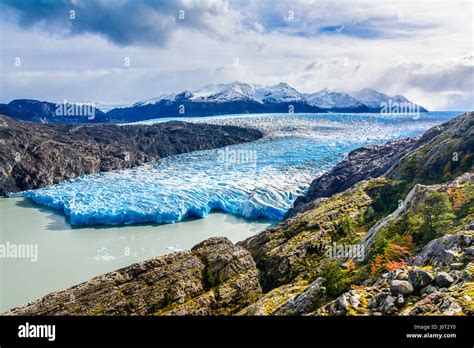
(434, 218)
(337, 279)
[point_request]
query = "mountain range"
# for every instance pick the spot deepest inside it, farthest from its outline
(214, 99)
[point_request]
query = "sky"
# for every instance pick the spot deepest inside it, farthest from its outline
(122, 51)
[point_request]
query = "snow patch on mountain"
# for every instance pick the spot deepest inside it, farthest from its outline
(327, 99)
(375, 99)
(155, 100)
(281, 92)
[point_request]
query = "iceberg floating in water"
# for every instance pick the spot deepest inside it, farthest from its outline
(257, 180)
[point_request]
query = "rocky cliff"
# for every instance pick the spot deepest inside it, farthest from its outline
(37, 155)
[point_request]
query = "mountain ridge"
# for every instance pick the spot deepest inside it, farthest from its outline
(216, 99)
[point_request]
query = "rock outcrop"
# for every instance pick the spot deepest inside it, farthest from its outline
(444, 152)
(298, 244)
(38, 155)
(215, 277)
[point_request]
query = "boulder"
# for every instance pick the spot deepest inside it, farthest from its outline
(440, 251)
(401, 287)
(469, 251)
(302, 302)
(427, 290)
(455, 274)
(443, 279)
(388, 305)
(450, 307)
(419, 278)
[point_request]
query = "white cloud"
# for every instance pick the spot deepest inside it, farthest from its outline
(408, 54)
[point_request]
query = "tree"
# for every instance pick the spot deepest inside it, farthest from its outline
(433, 219)
(337, 279)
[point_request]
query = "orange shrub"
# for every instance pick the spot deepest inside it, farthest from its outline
(376, 265)
(394, 265)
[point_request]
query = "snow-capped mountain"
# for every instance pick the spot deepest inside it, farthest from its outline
(365, 100)
(236, 91)
(375, 99)
(335, 101)
(281, 92)
(155, 100)
(47, 112)
(224, 92)
(220, 99)
(232, 98)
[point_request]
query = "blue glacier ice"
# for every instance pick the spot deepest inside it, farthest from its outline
(258, 180)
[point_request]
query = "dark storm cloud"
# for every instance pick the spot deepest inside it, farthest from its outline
(123, 22)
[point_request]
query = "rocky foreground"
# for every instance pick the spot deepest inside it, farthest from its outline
(397, 242)
(38, 155)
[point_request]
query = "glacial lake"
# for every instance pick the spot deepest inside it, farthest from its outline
(98, 223)
(67, 256)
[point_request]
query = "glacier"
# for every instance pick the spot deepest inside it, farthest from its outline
(258, 180)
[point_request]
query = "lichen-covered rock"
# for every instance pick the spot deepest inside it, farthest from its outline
(352, 302)
(469, 251)
(441, 251)
(215, 277)
(303, 302)
(388, 306)
(456, 266)
(420, 278)
(429, 289)
(457, 300)
(269, 303)
(433, 161)
(286, 250)
(443, 279)
(402, 287)
(468, 272)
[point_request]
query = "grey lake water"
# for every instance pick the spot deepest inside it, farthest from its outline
(67, 256)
